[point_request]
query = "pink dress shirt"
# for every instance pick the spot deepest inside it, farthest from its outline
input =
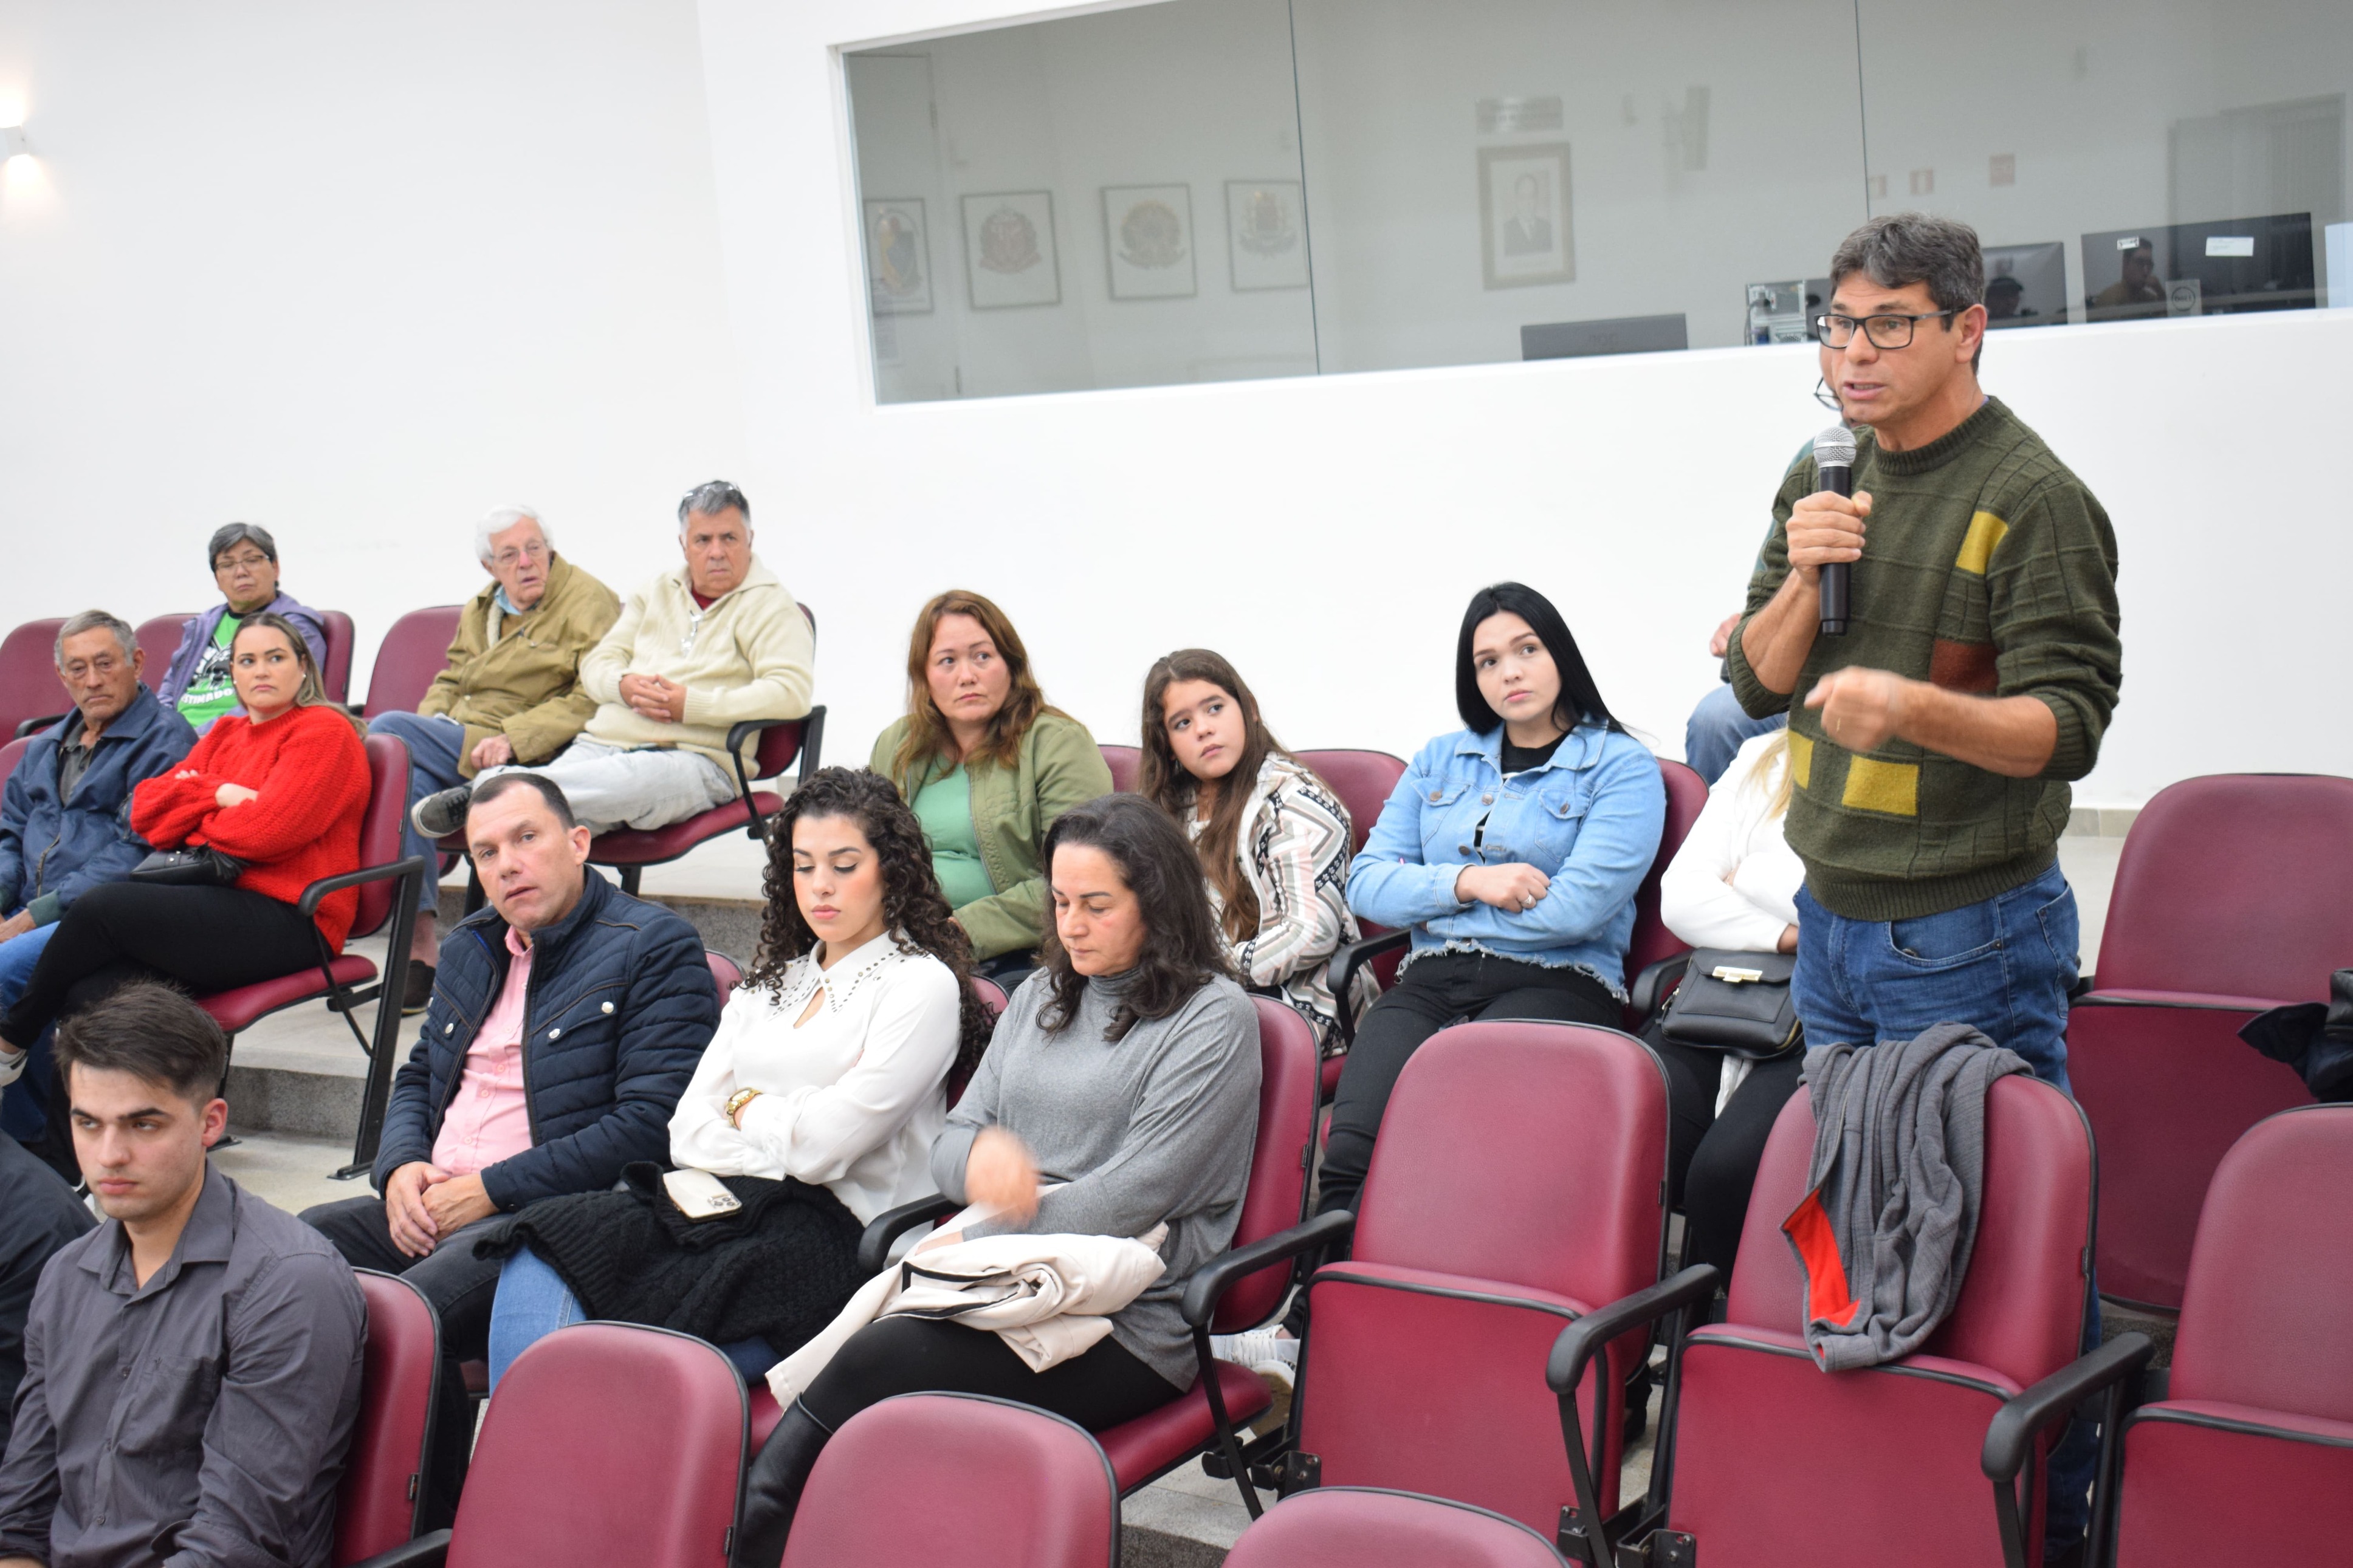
(488, 1120)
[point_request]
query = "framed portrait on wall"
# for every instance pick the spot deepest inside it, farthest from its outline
(1008, 250)
(898, 256)
(1148, 240)
(1266, 235)
(1526, 232)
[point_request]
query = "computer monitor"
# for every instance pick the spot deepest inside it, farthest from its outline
(2210, 268)
(2026, 285)
(1620, 335)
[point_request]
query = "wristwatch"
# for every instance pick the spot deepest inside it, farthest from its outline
(737, 1101)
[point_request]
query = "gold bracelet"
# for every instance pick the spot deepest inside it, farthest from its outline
(737, 1101)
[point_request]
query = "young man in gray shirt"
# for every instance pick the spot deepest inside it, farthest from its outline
(191, 1367)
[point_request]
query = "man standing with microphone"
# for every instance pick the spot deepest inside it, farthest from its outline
(1933, 739)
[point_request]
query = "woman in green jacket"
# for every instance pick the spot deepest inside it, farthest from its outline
(987, 767)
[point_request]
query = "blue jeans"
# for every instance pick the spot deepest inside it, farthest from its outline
(25, 1108)
(2004, 967)
(1718, 729)
(433, 741)
(533, 1301)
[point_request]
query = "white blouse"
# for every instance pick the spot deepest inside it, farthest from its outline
(850, 1099)
(1734, 884)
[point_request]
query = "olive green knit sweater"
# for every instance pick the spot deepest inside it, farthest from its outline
(1988, 568)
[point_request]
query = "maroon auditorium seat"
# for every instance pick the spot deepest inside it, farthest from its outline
(335, 675)
(2230, 899)
(387, 891)
(159, 638)
(382, 1498)
(606, 1443)
(2249, 1457)
(29, 688)
(1362, 780)
(1780, 1465)
(1518, 1183)
(11, 753)
(779, 743)
(1238, 1291)
(725, 973)
(927, 1478)
(1365, 1527)
(411, 654)
(1124, 762)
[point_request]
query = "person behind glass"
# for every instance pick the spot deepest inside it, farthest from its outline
(1512, 848)
(1127, 1071)
(192, 1366)
(199, 684)
(988, 766)
(1272, 838)
(511, 690)
(819, 1097)
(566, 1019)
(65, 829)
(1732, 885)
(280, 785)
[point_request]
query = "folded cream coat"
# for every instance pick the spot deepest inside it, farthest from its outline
(1048, 1297)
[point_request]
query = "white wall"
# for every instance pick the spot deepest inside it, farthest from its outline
(1324, 532)
(356, 273)
(359, 274)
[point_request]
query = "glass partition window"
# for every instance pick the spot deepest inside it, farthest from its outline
(1211, 190)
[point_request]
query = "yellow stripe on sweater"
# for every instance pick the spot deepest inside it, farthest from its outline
(1986, 533)
(1893, 788)
(1801, 758)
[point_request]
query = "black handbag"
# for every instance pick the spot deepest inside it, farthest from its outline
(1735, 1002)
(200, 865)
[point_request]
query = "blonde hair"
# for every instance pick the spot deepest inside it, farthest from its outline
(1770, 772)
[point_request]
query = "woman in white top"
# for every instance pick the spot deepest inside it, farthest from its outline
(816, 1102)
(1274, 841)
(1734, 885)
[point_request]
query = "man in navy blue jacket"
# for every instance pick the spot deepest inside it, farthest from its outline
(65, 827)
(566, 1021)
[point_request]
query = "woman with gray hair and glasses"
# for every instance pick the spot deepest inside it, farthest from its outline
(244, 562)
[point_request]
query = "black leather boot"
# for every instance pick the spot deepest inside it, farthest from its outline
(772, 1489)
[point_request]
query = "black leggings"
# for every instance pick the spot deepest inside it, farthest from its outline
(207, 939)
(891, 1356)
(1712, 1160)
(1444, 988)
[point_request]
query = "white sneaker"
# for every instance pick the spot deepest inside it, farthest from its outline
(1256, 1349)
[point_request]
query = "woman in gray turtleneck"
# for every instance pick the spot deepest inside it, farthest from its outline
(1127, 1070)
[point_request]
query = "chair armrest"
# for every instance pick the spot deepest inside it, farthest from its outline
(1654, 983)
(34, 726)
(1584, 1338)
(874, 1246)
(1340, 972)
(2083, 987)
(312, 895)
(2011, 1437)
(428, 1551)
(1214, 1279)
(812, 725)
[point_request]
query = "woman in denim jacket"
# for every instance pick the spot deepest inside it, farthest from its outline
(1513, 849)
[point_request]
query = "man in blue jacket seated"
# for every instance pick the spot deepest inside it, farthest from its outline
(566, 1021)
(65, 827)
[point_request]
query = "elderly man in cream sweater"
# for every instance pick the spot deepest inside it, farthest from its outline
(696, 650)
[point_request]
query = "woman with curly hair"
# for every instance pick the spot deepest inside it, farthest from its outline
(816, 1104)
(1120, 1095)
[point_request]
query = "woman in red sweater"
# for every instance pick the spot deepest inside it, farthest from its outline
(282, 788)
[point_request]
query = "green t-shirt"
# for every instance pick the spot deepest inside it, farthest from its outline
(211, 692)
(945, 808)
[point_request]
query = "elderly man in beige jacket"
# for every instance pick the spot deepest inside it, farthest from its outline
(696, 650)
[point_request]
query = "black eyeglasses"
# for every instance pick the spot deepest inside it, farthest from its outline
(1885, 332)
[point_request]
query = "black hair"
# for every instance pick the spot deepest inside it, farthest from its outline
(151, 1031)
(1181, 951)
(489, 789)
(914, 908)
(1580, 699)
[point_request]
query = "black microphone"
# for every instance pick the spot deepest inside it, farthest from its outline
(1834, 464)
